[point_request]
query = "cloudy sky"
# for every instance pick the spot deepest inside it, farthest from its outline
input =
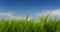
(19, 8)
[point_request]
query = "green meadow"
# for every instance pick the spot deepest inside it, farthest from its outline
(40, 24)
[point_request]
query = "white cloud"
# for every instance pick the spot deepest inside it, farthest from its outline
(6, 14)
(55, 12)
(10, 16)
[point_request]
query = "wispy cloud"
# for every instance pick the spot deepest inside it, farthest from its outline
(11, 16)
(6, 14)
(55, 12)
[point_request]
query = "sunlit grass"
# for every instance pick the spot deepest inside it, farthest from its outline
(42, 24)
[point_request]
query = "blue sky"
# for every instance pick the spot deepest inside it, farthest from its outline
(22, 7)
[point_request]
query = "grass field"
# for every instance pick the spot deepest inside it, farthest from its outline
(42, 24)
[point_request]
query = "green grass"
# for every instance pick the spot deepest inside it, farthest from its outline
(42, 24)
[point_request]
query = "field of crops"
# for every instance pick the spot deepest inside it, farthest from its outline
(42, 24)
